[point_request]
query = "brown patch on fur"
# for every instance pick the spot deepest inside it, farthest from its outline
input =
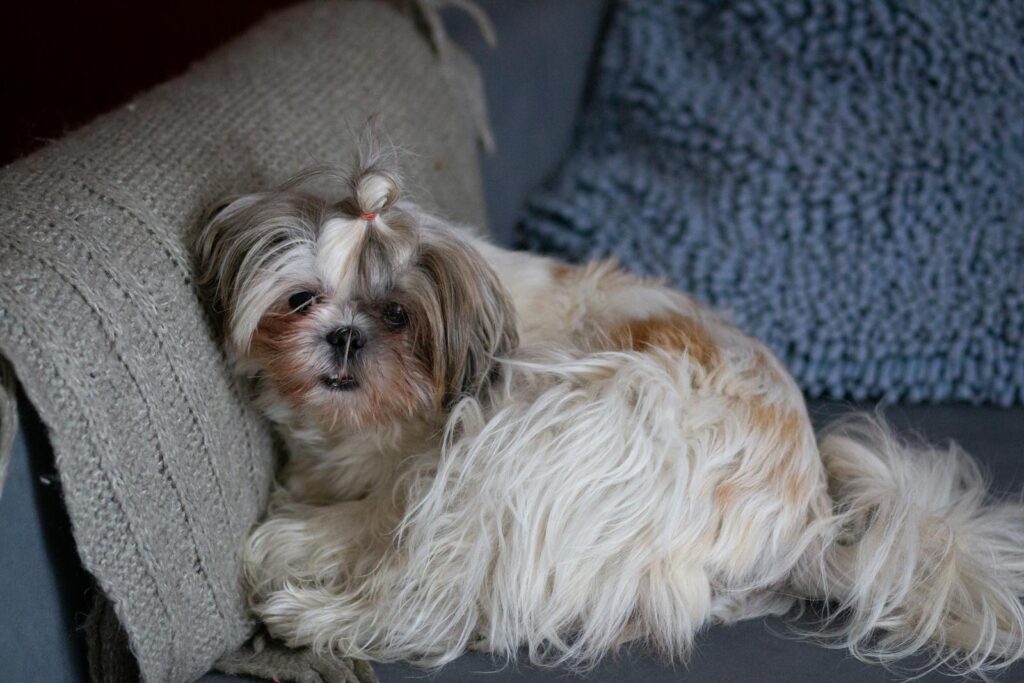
(784, 429)
(782, 422)
(726, 493)
(562, 272)
(274, 342)
(673, 332)
(781, 434)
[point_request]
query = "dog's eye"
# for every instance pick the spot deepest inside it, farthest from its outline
(300, 302)
(394, 316)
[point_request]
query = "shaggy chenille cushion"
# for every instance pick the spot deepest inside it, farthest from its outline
(845, 177)
(164, 468)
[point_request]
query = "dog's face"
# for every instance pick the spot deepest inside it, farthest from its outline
(355, 312)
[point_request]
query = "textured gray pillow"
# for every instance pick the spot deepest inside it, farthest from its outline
(164, 468)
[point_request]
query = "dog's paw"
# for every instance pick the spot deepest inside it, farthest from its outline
(731, 607)
(277, 551)
(309, 616)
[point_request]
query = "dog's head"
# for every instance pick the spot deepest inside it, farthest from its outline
(356, 309)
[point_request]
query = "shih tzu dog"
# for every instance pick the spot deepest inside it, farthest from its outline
(496, 450)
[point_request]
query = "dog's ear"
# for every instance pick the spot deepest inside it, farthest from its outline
(244, 245)
(470, 320)
(216, 259)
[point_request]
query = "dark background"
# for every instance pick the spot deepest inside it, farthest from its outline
(61, 64)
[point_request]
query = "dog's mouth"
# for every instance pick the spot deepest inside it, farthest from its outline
(340, 382)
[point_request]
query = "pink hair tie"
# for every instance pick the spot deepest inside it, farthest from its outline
(368, 217)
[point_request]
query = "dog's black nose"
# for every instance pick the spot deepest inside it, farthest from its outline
(347, 340)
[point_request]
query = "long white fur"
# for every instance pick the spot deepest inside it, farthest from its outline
(597, 496)
(923, 559)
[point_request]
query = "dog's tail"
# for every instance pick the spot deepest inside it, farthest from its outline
(921, 558)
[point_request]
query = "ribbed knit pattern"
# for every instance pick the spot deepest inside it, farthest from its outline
(846, 177)
(163, 465)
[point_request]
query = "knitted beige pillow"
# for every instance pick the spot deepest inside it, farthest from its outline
(164, 467)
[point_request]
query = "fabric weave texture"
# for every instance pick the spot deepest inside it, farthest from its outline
(845, 178)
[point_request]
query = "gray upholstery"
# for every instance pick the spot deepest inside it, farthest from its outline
(41, 582)
(534, 83)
